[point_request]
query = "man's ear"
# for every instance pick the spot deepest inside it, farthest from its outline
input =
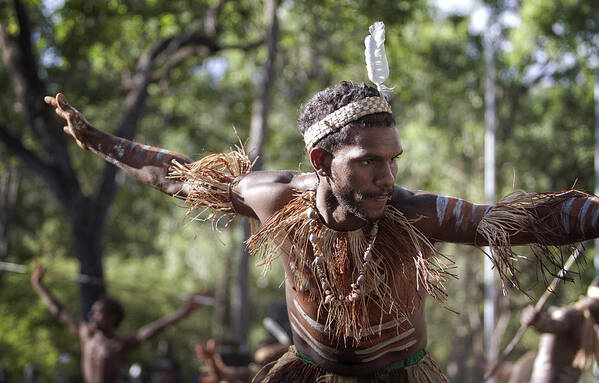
(321, 161)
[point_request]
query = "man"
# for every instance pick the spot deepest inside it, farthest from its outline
(103, 353)
(357, 249)
(568, 339)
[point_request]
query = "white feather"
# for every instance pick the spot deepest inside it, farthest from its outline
(376, 59)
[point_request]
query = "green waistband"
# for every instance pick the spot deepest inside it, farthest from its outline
(409, 361)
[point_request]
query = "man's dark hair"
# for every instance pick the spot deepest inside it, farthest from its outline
(329, 100)
(114, 308)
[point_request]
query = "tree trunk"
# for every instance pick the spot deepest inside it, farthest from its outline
(9, 185)
(221, 297)
(88, 233)
(258, 133)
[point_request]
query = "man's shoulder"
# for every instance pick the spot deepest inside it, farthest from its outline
(85, 330)
(406, 197)
(288, 185)
(288, 178)
(268, 191)
(414, 203)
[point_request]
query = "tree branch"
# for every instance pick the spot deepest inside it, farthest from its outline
(49, 173)
(21, 64)
(211, 19)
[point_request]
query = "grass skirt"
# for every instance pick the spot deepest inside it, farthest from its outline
(291, 368)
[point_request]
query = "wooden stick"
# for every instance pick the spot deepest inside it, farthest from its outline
(538, 306)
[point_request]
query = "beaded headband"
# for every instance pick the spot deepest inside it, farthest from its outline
(343, 116)
(378, 71)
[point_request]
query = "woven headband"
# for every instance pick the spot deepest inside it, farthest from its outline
(343, 116)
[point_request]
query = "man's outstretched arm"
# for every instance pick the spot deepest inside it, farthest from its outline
(221, 181)
(151, 329)
(148, 164)
(551, 218)
(52, 303)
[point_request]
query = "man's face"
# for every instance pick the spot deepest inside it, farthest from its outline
(101, 317)
(363, 173)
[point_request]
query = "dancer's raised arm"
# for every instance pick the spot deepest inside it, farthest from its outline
(151, 329)
(51, 302)
(148, 164)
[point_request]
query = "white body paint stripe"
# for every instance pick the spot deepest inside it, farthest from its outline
(306, 336)
(583, 214)
(310, 343)
(319, 347)
(384, 326)
(566, 214)
(386, 343)
(120, 148)
(441, 207)
(457, 213)
(161, 153)
(487, 209)
(315, 325)
(370, 330)
(400, 348)
(595, 216)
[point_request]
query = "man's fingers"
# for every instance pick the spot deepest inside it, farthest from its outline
(59, 102)
(51, 101)
(62, 101)
(61, 113)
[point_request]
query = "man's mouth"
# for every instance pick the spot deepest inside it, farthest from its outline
(378, 196)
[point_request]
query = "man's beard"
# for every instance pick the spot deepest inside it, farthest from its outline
(349, 200)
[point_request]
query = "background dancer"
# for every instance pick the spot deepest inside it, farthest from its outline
(568, 338)
(103, 353)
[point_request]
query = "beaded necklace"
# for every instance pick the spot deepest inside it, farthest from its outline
(320, 267)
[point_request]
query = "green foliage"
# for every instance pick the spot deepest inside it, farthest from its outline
(30, 335)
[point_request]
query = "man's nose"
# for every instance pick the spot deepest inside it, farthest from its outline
(385, 177)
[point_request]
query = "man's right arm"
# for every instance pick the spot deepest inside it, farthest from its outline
(256, 194)
(148, 164)
(52, 303)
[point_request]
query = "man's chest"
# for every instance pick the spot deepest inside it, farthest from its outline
(102, 351)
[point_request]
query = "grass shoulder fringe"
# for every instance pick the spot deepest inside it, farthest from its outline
(538, 219)
(207, 183)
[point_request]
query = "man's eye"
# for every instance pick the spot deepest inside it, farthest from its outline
(366, 162)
